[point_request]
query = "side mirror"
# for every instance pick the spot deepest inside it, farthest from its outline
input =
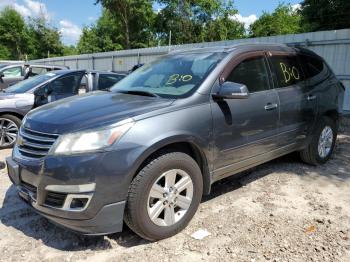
(1, 77)
(231, 90)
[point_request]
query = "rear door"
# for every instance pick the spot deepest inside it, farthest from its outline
(245, 128)
(297, 104)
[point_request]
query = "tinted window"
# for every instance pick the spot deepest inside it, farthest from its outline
(253, 73)
(66, 85)
(106, 81)
(288, 70)
(13, 72)
(313, 65)
(172, 76)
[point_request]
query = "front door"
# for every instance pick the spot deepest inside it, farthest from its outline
(59, 88)
(245, 128)
(11, 75)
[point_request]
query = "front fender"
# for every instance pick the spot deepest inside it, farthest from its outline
(191, 125)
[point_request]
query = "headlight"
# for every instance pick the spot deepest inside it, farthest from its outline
(91, 140)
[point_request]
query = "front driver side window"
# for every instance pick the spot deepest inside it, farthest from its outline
(251, 72)
(66, 85)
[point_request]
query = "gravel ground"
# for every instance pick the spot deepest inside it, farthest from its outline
(280, 211)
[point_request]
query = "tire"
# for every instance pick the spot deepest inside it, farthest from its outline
(141, 204)
(311, 154)
(13, 124)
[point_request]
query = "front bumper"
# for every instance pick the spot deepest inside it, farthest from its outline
(103, 213)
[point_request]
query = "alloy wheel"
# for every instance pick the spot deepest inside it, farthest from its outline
(8, 132)
(170, 197)
(325, 142)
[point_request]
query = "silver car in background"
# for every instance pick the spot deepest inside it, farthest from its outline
(17, 100)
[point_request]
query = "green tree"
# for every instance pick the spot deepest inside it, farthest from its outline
(70, 50)
(135, 20)
(284, 20)
(13, 35)
(197, 21)
(105, 35)
(44, 40)
(325, 14)
(224, 26)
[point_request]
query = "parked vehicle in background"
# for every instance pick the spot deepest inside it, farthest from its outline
(146, 151)
(98, 80)
(17, 100)
(11, 73)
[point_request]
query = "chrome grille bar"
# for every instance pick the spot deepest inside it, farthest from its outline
(34, 144)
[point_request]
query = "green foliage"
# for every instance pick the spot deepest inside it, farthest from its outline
(134, 21)
(44, 40)
(13, 35)
(284, 20)
(104, 36)
(325, 14)
(70, 50)
(197, 21)
(21, 40)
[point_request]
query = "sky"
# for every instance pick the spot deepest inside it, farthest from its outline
(70, 16)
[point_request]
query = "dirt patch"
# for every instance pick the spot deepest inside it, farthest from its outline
(280, 211)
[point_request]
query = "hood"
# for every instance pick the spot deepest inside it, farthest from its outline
(91, 110)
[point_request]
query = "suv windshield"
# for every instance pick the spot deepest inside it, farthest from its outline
(26, 85)
(174, 76)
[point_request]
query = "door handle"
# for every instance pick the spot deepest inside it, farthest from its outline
(311, 97)
(270, 106)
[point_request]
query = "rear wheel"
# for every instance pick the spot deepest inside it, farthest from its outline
(9, 126)
(164, 196)
(322, 144)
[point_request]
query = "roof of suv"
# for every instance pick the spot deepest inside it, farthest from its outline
(251, 46)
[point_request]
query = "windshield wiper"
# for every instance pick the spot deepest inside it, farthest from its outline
(138, 92)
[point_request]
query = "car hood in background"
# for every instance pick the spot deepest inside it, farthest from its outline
(91, 110)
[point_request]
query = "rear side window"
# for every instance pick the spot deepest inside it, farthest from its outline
(251, 72)
(106, 81)
(313, 66)
(288, 70)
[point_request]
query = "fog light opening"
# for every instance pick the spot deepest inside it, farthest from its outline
(78, 203)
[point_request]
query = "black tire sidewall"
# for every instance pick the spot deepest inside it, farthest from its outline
(153, 171)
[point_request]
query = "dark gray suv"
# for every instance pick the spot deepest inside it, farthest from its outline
(147, 150)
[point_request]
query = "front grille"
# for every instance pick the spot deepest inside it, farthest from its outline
(30, 188)
(34, 144)
(55, 199)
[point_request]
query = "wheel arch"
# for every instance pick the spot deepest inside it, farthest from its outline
(178, 144)
(14, 113)
(334, 115)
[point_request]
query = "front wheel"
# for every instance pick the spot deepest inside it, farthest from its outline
(164, 196)
(322, 144)
(9, 126)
